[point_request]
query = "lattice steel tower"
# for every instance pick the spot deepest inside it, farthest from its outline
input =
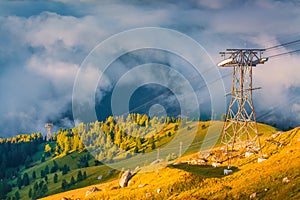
(240, 128)
(48, 126)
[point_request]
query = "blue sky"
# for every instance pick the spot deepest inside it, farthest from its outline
(43, 43)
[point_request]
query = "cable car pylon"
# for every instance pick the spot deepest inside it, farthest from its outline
(240, 132)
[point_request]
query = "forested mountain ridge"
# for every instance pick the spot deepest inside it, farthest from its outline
(30, 160)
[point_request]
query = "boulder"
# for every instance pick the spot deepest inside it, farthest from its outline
(94, 189)
(125, 178)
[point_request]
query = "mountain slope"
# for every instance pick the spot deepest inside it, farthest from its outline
(278, 177)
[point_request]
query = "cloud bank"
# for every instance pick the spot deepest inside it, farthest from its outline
(43, 44)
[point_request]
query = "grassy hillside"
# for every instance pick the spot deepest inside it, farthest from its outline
(278, 177)
(71, 160)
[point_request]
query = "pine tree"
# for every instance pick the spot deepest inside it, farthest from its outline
(46, 170)
(44, 189)
(41, 184)
(42, 174)
(79, 176)
(55, 178)
(64, 184)
(55, 167)
(34, 194)
(33, 175)
(72, 181)
(30, 193)
(65, 169)
(25, 179)
(17, 195)
(36, 186)
(19, 182)
(84, 175)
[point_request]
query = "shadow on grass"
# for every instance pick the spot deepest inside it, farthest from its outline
(206, 171)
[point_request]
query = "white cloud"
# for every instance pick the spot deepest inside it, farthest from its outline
(54, 70)
(215, 4)
(42, 53)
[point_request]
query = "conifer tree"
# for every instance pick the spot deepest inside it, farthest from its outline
(33, 175)
(55, 178)
(79, 176)
(30, 193)
(72, 181)
(25, 179)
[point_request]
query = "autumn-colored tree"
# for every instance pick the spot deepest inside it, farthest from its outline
(47, 149)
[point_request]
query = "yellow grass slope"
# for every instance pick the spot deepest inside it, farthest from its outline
(276, 178)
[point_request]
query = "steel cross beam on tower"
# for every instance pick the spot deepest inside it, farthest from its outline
(48, 126)
(240, 128)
